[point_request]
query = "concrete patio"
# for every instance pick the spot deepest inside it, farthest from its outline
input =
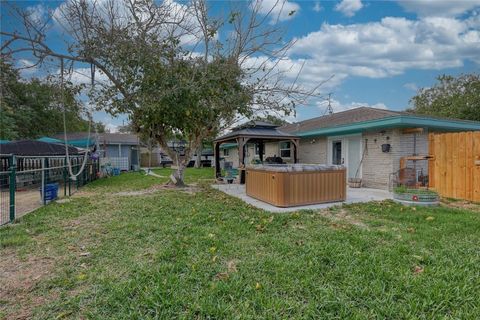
(354, 195)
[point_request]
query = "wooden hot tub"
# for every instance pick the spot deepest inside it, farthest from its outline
(296, 184)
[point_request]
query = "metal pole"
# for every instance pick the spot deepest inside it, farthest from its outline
(65, 178)
(43, 181)
(13, 180)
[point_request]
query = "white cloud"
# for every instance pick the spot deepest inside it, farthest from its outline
(38, 13)
(82, 75)
(391, 46)
(110, 127)
(349, 7)
(27, 68)
(442, 8)
(411, 86)
(317, 7)
(278, 9)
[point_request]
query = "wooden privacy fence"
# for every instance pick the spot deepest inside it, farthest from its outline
(454, 168)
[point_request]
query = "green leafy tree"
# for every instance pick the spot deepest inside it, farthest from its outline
(271, 119)
(451, 97)
(169, 70)
(31, 109)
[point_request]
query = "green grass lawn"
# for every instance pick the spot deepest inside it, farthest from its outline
(173, 254)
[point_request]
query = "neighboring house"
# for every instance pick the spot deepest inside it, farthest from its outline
(368, 141)
(159, 158)
(122, 150)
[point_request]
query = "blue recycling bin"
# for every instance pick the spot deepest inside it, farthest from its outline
(116, 171)
(51, 192)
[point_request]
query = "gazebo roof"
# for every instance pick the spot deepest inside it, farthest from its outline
(257, 130)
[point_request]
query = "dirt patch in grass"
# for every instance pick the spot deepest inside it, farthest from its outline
(342, 216)
(18, 277)
(460, 204)
(191, 189)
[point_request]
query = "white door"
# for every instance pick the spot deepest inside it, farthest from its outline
(354, 157)
(346, 150)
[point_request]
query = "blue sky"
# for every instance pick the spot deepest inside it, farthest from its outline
(380, 52)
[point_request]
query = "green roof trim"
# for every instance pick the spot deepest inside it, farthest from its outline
(401, 121)
(228, 145)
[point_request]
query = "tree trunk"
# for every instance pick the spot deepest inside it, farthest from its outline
(198, 159)
(177, 177)
(180, 162)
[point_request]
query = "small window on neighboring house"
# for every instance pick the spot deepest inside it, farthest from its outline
(285, 149)
(226, 152)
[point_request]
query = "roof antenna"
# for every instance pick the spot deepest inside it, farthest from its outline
(329, 107)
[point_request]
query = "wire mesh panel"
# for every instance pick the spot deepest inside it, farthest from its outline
(4, 197)
(39, 180)
(117, 162)
(30, 178)
(5, 164)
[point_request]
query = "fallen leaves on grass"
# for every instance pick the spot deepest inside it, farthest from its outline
(222, 276)
(232, 266)
(418, 270)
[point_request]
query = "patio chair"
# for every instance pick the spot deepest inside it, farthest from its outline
(231, 175)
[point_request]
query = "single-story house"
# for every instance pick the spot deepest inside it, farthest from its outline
(370, 142)
(122, 150)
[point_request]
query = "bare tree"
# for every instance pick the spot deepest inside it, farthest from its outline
(173, 68)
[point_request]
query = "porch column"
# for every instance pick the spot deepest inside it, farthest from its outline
(217, 160)
(241, 151)
(261, 147)
(295, 150)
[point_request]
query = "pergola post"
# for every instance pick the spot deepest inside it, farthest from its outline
(261, 147)
(217, 160)
(295, 150)
(241, 141)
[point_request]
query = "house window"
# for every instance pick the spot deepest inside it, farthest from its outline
(285, 149)
(226, 152)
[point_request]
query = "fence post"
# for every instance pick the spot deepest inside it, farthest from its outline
(13, 181)
(84, 175)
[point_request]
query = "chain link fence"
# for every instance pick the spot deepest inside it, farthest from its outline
(27, 183)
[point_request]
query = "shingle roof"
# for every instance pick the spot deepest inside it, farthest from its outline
(107, 138)
(340, 118)
(124, 138)
(260, 133)
(256, 124)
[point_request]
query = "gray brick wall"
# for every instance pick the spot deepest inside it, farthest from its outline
(313, 150)
(377, 165)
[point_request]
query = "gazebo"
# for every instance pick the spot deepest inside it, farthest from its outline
(257, 132)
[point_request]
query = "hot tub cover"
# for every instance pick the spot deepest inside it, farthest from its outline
(297, 167)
